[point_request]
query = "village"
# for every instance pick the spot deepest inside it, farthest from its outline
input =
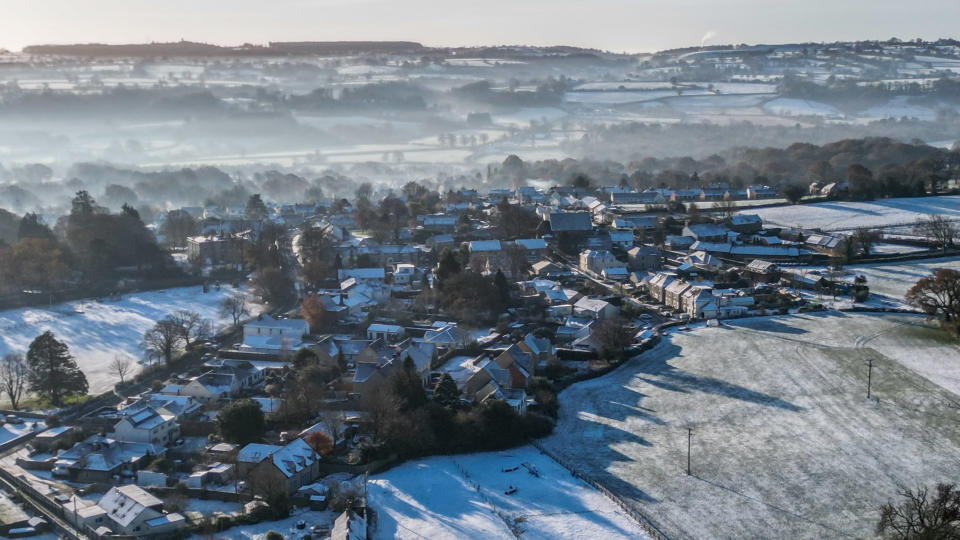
(485, 309)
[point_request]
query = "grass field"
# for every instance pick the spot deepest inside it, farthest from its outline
(785, 443)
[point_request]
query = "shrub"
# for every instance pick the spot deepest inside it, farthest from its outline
(273, 535)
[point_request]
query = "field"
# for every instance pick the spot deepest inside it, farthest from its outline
(784, 442)
(96, 332)
(839, 216)
(895, 279)
(432, 498)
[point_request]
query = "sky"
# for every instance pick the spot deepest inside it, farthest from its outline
(613, 25)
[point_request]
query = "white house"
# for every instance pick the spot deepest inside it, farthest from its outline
(131, 510)
(273, 336)
(596, 261)
(147, 426)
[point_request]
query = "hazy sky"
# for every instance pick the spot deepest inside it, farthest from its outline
(617, 25)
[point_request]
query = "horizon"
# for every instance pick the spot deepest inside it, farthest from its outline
(619, 27)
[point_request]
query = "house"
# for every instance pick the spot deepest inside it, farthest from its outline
(657, 285)
(211, 386)
(349, 526)
(673, 294)
(534, 248)
(274, 336)
(643, 258)
(519, 365)
(763, 271)
(621, 239)
(572, 222)
(270, 468)
(594, 308)
(387, 332)
(595, 261)
(130, 510)
(448, 336)
(147, 426)
(217, 250)
(362, 274)
(745, 223)
(100, 459)
(761, 192)
(440, 223)
(699, 303)
(403, 274)
(546, 269)
(369, 376)
(615, 273)
(702, 261)
(706, 232)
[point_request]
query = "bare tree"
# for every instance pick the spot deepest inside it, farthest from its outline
(13, 377)
(864, 239)
(725, 208)
(163, 340)
(120, 366)
(332, 423)
(938, 230)
(922, 515)
(193, 327)
(235, 307)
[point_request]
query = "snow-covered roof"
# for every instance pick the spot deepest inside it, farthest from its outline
(531, 243)
(125, 504)
(484, 245)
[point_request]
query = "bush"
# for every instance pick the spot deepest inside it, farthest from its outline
(273, 535)
(52, 420)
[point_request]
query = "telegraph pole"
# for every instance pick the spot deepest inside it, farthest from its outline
(869, 375)
(689, 439)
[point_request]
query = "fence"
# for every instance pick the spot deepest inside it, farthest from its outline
(641, 520)
(511, 524)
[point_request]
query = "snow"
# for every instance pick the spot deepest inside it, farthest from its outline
(8, 432)
(433, 498)
(800, 107)
(286, 527)
(840, 216)
(783, 438)
(96, 332)
(895, 279)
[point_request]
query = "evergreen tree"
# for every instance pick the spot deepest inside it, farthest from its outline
(446, 392)
(406, 387)
(256, 209)
(241, 421)
(54, 374)
(500, 281)
(448, 265)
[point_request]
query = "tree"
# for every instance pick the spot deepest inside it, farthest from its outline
(256, 209)
(938, 230)
(53, 372)
(446, 392)
(725, 208)
(938, 294)
(241, 421)
(794, 193)
(864, 239)
(448, 264)
(234, 306)
(405, 386)
(120, 366)
(313, 311)
(612, 336)
(178, 226)
(14, 374)
(273, 286)
(920, 516)
(193, 327)
(163, 339)
(320, 442)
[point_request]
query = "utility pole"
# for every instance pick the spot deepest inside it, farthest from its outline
(869, 375)
(689, 439)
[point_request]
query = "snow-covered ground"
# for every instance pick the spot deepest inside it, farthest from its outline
(849, 215)
(96, 332)
(286, 527)
(895, 279)
(783, 438)
(433, 498)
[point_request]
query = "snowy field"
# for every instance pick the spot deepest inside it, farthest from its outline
(96, 332)
(785, 444)
(838, 216)
(894, 279)
(432, 498)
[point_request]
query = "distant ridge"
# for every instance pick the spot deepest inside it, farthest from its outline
(191, 48)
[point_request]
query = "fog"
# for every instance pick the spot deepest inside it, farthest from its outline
(164, 126)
